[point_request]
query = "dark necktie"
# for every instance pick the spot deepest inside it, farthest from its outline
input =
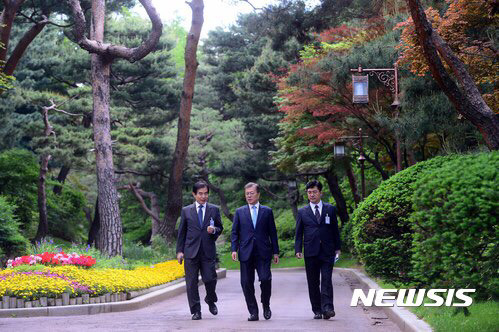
(317, 214)
(200, 216)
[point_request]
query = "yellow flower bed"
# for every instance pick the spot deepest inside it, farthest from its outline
(100, 281)
(32, 286)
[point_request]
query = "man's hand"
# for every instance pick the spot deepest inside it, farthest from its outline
(210, 229)
(276, 259)
(338, 253)
(299, 255)
(234, 256)
(180, 257)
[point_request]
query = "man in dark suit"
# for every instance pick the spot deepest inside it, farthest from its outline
(254, 235)
(200, 226)
(317, 223)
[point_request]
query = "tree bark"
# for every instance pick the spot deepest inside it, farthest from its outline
(94, 231)
(61, 178)
(293, 196)
(43, 225)
(110, 239)
(153, 212)
(6, 20)
(334, 188)
(223, 200)
(352, 182)
(468, 101)
(174, 203)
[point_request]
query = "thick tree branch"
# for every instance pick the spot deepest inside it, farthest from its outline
(140, 194)
(7, 17)
(116, 51)
(468, 102)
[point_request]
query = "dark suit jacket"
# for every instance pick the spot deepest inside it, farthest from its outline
(245, 237)
(192, 237)
(317, 234)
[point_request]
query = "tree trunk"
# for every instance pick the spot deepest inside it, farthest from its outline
(334, 188)
(153, 212)
(93, 233)
(293, 196)
(110, 240)
(61, 178)
(43, 225)
(468, 101)
(352, 182)
(223, 200)
(174, 203)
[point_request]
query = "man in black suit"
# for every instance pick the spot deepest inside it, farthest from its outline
(318, 224)
(254, 235)
(200, 226)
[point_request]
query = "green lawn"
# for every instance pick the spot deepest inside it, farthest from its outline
(346, 260)
(483, 316)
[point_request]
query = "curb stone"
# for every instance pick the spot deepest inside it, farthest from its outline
(139, 299)
(404, 318)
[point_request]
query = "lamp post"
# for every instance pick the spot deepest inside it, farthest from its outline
(387, 76)
(339, 151)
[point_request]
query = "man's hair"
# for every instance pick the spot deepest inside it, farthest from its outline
(199, 185)
(252, 184)
(314, 183)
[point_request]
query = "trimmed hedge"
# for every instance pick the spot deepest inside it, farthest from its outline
(456, 231)
(434, 224)
(381, 235)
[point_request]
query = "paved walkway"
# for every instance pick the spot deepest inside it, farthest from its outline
(289, 303)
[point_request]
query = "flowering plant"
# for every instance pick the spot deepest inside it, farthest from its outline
(53, 259)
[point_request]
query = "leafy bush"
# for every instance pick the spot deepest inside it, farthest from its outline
(287, 248)
(18, 183)
(455, 223)
(18, 178)
(65, 214)
(286, 226)
(11, 241)
(381, 233)
(434, 224)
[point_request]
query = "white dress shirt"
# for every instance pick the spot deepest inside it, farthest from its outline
(312, 205)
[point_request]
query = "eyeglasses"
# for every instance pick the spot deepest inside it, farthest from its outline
(312, 192)
(250, 193)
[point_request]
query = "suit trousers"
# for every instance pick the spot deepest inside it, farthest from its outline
(319, 270)
(262, 267)
(207, 267)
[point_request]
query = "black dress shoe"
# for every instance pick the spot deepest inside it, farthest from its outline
(213, 308)
(328, 314)
(196, 315)
(267, 313)
(252, 318)
(317, 315)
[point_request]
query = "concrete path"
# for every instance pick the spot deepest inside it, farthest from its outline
(289, 303)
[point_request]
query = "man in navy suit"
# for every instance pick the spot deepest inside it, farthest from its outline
(317, 223)
(200, 226)
(254, 235)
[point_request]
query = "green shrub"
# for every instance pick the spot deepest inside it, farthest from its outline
(287, 248)
(434, 225)
(65, 214)
(455, 224)
(286, 226)
(12, 243)
(18, 183)
(381, 233)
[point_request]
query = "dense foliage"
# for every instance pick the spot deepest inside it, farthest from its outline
(433, 224)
